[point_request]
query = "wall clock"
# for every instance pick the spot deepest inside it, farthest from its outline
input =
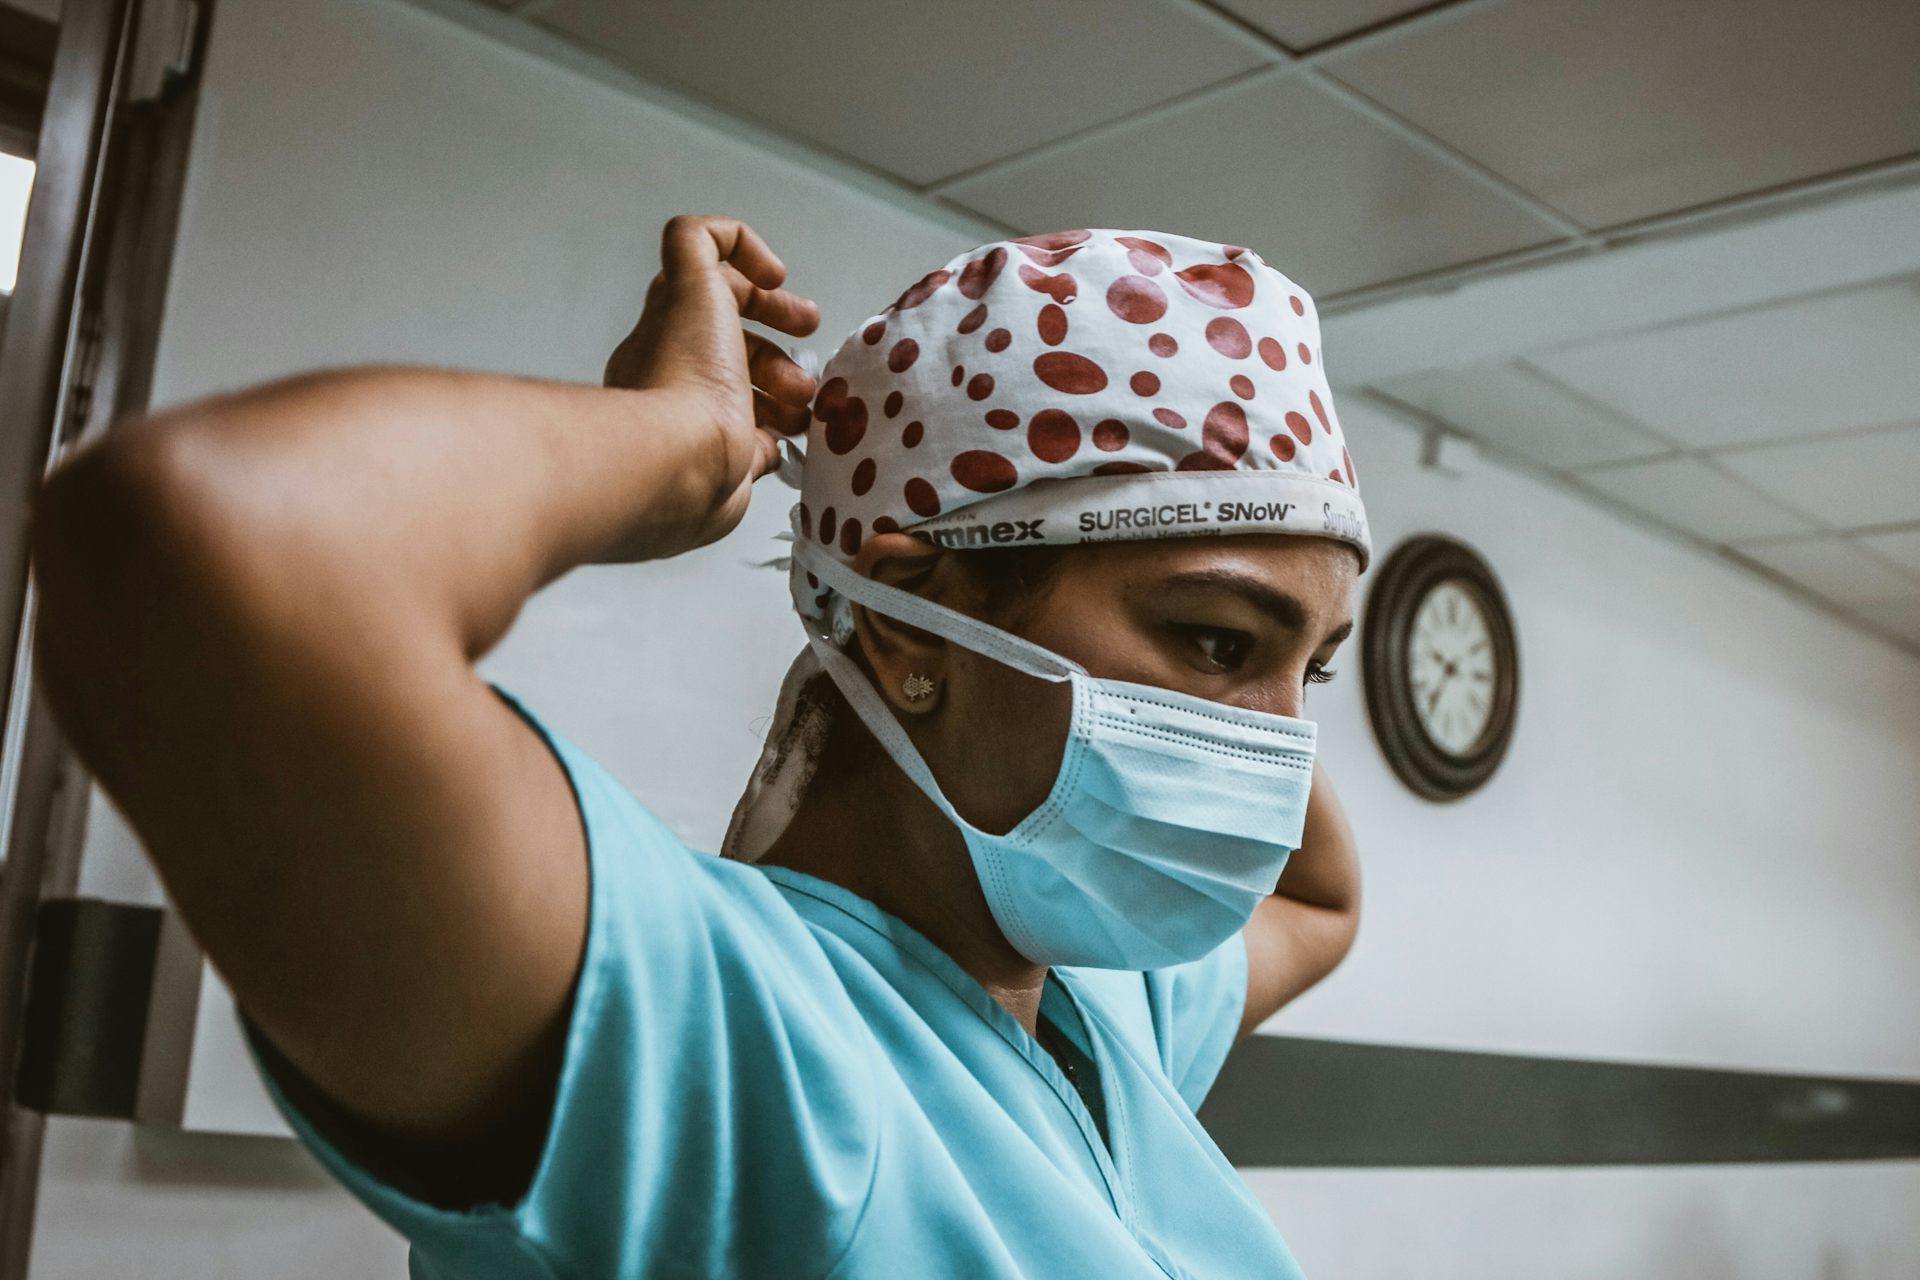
(1440, 667)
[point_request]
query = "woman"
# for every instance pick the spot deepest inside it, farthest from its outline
(1004, 888)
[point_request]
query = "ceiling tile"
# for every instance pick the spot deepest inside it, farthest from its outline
(1834, 567)
(1902, 617)
(1824, 363)
(1615, 110)
(1302, 24)
(1691, 495)
(1510, 405)
(1850, 482)
(921, 90)
(1903, 547)
(1324, 194)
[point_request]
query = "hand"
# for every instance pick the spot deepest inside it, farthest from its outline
(736, 392)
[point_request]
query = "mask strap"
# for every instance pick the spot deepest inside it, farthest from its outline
(968, 632)
(880, 721)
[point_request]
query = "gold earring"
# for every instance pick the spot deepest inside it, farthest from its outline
(917, 687)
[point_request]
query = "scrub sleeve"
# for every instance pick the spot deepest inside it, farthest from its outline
(717, 1111)
(714, 1115)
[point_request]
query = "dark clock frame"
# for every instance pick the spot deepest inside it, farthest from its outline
(1416, 567)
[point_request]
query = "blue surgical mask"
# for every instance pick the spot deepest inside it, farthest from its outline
(1170, 817)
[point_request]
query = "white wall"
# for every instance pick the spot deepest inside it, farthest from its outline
(371, 182)
(1701, 850)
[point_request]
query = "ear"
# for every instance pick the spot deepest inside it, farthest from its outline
(896, 652)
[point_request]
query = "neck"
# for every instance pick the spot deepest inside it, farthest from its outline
(868, 829)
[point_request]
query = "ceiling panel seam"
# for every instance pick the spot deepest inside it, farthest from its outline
(1284, 63)
(1891, 174)
(517, 31)
(1147, 115)
(1575, 233)
(1570, 484)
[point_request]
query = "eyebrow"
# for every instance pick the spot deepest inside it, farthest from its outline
(1281, 606)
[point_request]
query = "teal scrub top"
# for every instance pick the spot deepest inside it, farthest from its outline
(766, 1075)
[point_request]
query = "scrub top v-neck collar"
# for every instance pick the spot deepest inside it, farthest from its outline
(1057, 998)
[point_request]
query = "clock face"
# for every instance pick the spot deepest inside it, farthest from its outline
(1450, 666)
(1440, 667)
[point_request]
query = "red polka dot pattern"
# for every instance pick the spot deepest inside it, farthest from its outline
(978, 276)
(1136, 299)
(1218, 284)
(845, 415)
(1053, 435)
(1061, 288)
(1229, 337)
(1080, 353)
(1066, 371)
(984, 471)
(922, 290)
(1223, 438)
(922, 498)
(1053, 324)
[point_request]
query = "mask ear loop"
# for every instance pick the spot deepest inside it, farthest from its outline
(1021, 655)
(969, 632)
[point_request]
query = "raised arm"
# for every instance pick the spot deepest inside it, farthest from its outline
(259, 616)
(1304, 929)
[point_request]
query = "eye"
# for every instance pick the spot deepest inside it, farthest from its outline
(1317, 674)
(1222, 648)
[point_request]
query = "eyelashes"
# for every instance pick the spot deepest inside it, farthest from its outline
(1225, 650)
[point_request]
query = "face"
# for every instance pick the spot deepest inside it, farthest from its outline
(1248, 621)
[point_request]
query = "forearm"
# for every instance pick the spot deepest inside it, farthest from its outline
(1324, 872)
(1302, 931)
(453, 496)
(333, 547)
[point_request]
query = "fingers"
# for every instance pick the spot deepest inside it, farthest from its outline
(692, 245)
(694, 242)
(780, 309)
(772, 370)
(781, 419)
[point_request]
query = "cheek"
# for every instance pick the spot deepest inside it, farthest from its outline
(1002, 742)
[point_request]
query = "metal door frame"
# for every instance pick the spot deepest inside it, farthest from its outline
(77, 354)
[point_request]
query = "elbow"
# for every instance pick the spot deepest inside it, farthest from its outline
(117, 533)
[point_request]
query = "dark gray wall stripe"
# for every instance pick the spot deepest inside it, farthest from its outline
(1290, 1101)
